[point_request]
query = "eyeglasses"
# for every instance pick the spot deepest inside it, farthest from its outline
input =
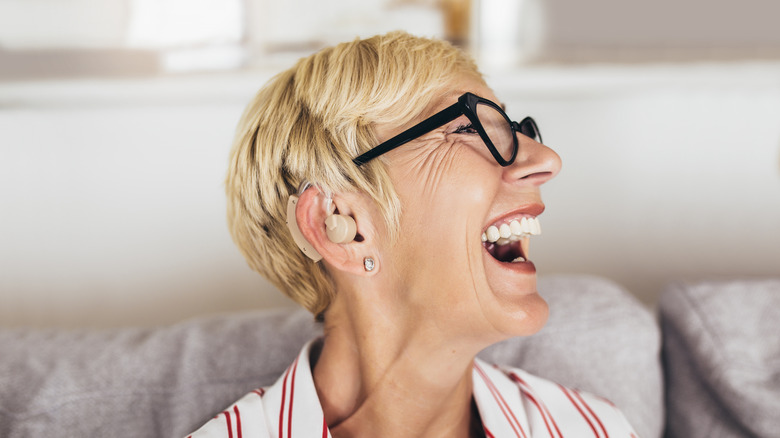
(487, 119)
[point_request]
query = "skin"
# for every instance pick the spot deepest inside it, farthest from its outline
(400, 340)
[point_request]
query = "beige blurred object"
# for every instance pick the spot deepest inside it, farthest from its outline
(456, 15)
(457, 20)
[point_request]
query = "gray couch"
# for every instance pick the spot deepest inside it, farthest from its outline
(710, 368)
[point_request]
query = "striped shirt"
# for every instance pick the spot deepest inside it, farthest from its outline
(511, 403)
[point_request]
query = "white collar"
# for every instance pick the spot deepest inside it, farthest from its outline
(294, 402)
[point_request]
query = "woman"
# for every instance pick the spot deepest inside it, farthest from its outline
(380, 185)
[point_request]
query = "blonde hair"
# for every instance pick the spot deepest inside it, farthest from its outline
(306, 124)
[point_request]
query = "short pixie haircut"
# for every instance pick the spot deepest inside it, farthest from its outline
(307, 124)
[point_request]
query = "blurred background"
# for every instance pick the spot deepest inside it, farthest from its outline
(116, 119)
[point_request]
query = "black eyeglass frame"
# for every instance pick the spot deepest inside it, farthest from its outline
(466, 105)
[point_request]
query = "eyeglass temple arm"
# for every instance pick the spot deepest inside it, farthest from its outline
(446, 115)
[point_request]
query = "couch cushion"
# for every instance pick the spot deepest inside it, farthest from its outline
(722, 358)
(168, 381)
(141, 382)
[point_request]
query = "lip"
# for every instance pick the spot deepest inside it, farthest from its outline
(530, 210)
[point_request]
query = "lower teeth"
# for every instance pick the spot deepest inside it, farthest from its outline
(519, 259)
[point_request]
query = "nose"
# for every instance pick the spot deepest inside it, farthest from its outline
(535, 163)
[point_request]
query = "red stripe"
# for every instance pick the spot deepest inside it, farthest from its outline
(292, 393)
(324, 428)
(229, 424)
(533, 400)
(491, 389)
(501, 402)
(526, 389)
(488, 434)
(539, 408)
(281, 408)
(259, 391)
(584, 403)
(554, 423)
(565, 391)
(238, 421)
(607, 401)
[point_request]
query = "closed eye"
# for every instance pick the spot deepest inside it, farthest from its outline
(465, 129)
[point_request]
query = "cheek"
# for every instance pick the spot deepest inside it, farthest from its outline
(444, 191)
(477, 179)
(464, 188)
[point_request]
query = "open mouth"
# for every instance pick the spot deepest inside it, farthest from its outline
(508, 241)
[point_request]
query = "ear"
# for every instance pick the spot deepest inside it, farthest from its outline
(312, 212)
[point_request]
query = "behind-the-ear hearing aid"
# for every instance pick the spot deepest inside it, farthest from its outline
(292, 224)
(339, 228)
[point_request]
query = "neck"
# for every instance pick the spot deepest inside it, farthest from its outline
(385, 376)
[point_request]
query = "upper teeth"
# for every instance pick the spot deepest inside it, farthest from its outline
(512, 231)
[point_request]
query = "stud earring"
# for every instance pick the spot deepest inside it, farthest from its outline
(368, 264)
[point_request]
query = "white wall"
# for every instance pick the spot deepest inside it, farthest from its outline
(691, 29)
(37, 24)
(112, 202)
(112, 205)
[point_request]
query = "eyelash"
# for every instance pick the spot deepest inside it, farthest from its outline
(463, 128)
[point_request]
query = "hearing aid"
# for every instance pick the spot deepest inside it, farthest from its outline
(339, 228)
(292, 224)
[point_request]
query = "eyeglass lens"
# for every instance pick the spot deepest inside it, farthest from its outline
(498, 129)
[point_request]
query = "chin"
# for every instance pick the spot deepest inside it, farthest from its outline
(516, 308)
(519, 314)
